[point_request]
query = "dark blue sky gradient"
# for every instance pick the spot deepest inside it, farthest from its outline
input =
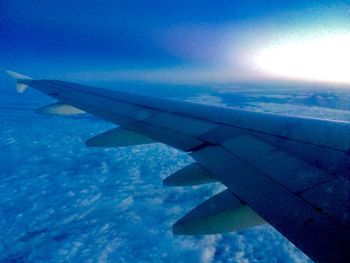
(54, 36)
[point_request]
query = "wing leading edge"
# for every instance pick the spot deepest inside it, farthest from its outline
(291, 172)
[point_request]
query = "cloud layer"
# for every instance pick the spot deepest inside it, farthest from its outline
(63, 202)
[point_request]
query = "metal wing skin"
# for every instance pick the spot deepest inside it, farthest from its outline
(288, 171)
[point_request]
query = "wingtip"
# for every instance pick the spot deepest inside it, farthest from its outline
(21, 85)
(16, 75)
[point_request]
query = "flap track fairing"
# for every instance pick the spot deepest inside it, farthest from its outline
(221, 213)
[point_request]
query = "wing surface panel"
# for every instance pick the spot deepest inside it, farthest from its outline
(323, 158)
(332, 198)
(291, 172)
(173, 138)
(182, 123)
(319, 235)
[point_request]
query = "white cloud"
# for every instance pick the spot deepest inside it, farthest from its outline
(208, 100)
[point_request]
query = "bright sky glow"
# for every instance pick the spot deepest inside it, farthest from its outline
(323, 57)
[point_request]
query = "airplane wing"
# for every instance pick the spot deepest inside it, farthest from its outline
(288, 171)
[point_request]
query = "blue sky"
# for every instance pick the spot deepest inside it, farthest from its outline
(65, 38)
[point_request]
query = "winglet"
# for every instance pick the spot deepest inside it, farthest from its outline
(21, 85)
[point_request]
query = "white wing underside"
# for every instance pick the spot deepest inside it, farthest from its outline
(291, 172)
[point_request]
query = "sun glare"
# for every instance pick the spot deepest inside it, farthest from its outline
(324, 57)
